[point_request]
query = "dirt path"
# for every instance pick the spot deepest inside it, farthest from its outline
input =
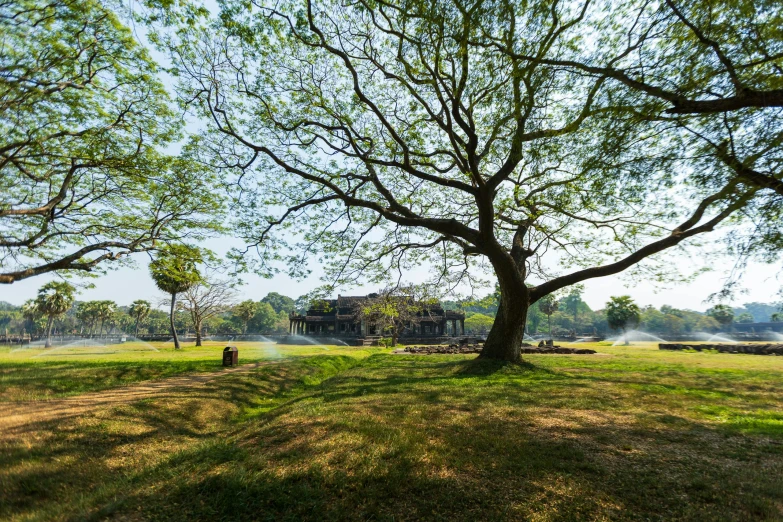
(20, 415)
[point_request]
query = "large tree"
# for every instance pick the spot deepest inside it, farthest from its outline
(715, 69)
(82, 120)
(396, 133)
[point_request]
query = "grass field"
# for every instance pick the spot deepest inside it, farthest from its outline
(30, 374)
(630, 433)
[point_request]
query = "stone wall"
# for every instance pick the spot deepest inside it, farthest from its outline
(753, 349)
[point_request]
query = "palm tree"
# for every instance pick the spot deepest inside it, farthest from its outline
(54, 299)
(87, 315)
(245, 311)
(174, 271)
(548, 306)
(30, 312)
(139, 310)
(105, 310)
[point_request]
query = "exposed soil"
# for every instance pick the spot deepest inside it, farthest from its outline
(17, 416)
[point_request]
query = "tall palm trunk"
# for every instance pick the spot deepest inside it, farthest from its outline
(171, 320)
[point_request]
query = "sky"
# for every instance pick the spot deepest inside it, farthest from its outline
(761, 282)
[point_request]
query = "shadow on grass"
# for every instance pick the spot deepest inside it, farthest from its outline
(398, 438)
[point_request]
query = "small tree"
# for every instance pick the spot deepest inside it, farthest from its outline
(620, 312)
(548, 306)
(479, 323)
(207, 299)
(245, 311)
(174, 271)
(722, 313)
(777, 317)
(139, 310)
(745, 318)
(54, 299)
(394, 309)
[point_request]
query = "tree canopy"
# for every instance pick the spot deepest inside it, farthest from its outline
(175, 270)
(53, 300)
(621, 312)
(83, 120)
(722, 313)
(475, 135)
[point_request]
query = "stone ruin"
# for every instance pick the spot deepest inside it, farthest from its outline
(466, 348)
(753, 349)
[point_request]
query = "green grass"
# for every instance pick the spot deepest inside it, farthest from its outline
(32, 374)
(632, 433)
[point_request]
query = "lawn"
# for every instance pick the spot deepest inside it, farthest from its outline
(630, 433)
(32, 374)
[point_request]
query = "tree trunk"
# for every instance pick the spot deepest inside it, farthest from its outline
(49, 323)
(508, 332)
(171, 320)
(549, 321)
(198, 333)
(395, 336)
(136, 329)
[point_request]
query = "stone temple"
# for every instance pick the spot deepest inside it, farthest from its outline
(337, 318)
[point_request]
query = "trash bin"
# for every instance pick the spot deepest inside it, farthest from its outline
(230, 356)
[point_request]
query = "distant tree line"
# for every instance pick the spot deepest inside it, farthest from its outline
(100, 318)
(569, 314)
(218, 313)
